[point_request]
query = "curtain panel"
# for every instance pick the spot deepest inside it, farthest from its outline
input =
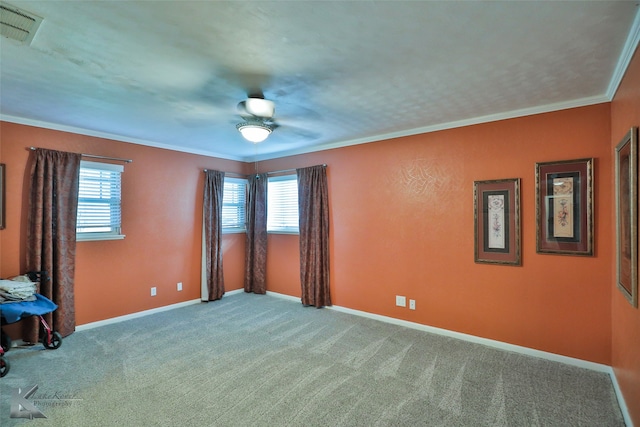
(212, 278)
(313, 211)
(255, 276)
(51, 235)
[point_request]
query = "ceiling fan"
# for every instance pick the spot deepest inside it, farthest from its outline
(257, 114)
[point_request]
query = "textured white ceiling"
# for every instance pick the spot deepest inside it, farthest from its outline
(170, 73)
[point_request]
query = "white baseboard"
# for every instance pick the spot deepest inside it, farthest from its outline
(284, 296)
(599, 367)
(479, 340)
(623, 405)
(439, 331)
(134, 315)
(145, 313)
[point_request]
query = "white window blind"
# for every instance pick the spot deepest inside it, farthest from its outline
(282, 204)
(233, 205)
(99, 201)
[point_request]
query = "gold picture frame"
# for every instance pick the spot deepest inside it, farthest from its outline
(497, 221)
(2, 196)
(564, 207)
(626, 182)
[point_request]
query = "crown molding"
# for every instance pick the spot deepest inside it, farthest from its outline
(582, 102)
(114, 137)
(628, 51)
(631, 44)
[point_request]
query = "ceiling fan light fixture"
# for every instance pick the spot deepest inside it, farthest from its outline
(254, 131)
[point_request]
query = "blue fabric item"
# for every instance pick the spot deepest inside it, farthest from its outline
(11, 312)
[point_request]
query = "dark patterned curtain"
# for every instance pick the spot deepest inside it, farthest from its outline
(213, 279)
(51, 235)
(255, 275)
(313, 210)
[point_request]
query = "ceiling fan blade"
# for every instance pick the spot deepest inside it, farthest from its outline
(296, 133)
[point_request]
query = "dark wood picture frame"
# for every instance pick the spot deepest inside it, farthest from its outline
(564, 207)
(626, 182)
(497, 221)
(2, 196)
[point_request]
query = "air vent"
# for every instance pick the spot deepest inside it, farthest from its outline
(18, 24)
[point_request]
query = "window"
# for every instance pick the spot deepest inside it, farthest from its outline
(282, 204)
(99, 201)
(233, 205)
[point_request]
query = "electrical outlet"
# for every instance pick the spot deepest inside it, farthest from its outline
(412, 304)
(153, 291)
(401, 301)
(179, 286)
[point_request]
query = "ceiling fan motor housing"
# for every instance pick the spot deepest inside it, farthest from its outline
(260, 107)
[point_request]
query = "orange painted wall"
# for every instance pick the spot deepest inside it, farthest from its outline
(283, 264)
(625, 113)
(402, 224)
(162, 216)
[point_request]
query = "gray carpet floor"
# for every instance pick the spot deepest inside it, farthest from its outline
(255, 360)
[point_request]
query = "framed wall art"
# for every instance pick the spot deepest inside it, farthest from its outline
(564, 207)
(497, 221)
(2, 196)
(626, 182)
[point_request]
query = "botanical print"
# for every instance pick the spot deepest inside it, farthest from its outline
(625, 206)
(496, 221)
(563, 207)
(624, 209)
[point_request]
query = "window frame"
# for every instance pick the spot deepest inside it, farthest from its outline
(116, 232)
(241, 226)
(270, 202)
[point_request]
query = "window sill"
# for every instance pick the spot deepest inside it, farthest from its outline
(296, 233)
(233, 231)
(91, 237)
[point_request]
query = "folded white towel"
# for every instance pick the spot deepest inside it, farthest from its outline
(18, 289)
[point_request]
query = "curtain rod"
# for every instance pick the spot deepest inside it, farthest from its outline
(268, 173)
(229, 173)
(93, 156)
(324, 165)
